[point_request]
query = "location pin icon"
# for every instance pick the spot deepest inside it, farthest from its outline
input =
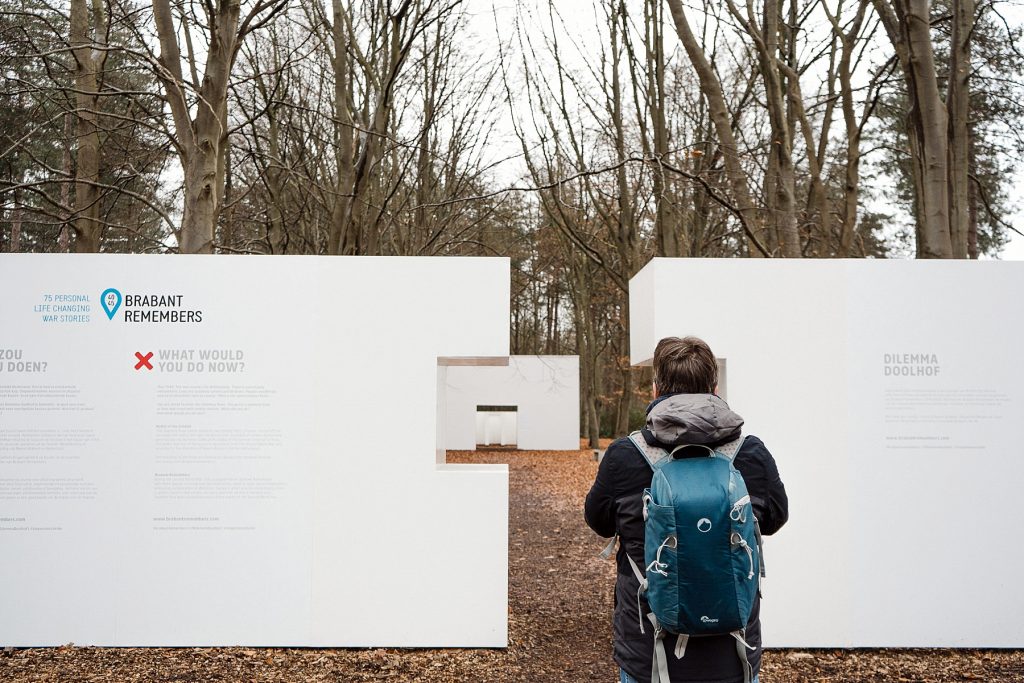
(110, 299)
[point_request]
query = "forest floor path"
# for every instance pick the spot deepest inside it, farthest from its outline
(560, 600)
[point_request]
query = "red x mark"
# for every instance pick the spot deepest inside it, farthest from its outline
(143, 361)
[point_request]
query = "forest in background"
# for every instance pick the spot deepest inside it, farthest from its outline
(579, 138)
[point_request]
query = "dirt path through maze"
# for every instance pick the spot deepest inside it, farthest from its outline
(560, 597)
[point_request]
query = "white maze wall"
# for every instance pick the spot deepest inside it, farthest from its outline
(892, 396)
(262, 476)
(546, 390)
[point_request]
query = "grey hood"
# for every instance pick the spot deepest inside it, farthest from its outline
(692, 419)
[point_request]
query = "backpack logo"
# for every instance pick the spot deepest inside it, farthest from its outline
(704, 526)
(708, 620)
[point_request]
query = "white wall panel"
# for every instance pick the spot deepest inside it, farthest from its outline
(285, 496)
(890, 393)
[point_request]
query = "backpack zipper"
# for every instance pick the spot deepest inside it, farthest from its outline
(736, 514)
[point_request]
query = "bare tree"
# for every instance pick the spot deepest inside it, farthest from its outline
(908, 25)
(81, 148)
(392, 33)
(958, 116)
(711, 87)
(88, 32)
(199, 108)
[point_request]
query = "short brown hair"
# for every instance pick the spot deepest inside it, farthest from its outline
(685, 366)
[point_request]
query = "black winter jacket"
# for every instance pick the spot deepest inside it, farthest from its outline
(614, 506)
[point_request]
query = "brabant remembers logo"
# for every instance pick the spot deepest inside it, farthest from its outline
(148, 308)
(110, 299)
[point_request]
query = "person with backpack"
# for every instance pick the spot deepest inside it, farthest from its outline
(688, 498)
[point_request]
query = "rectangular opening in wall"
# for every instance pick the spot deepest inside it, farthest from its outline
(497, 426)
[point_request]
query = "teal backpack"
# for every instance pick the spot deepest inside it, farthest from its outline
(702, 549)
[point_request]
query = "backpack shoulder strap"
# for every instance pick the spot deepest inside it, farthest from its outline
(654, 456)
(729, 450)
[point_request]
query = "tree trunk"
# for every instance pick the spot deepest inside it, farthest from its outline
(780, 177)
(345, 130)
(586, 347)
(625, 402)
(88, 63)
(712, 90)
(64, 239)
(15, 245)
(277, 235)
(204, 174)
(424, 163)
(851, 184)
(584, 413)
(625, 237)
(348, 233)
(669, 241)
(930, 127)
(228, 234)
(908, 25)
(200, 214)
(972, 202)
(223, 179)
(957, 105)
(201, 140)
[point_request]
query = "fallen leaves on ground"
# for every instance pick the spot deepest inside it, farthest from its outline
(560, 598)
